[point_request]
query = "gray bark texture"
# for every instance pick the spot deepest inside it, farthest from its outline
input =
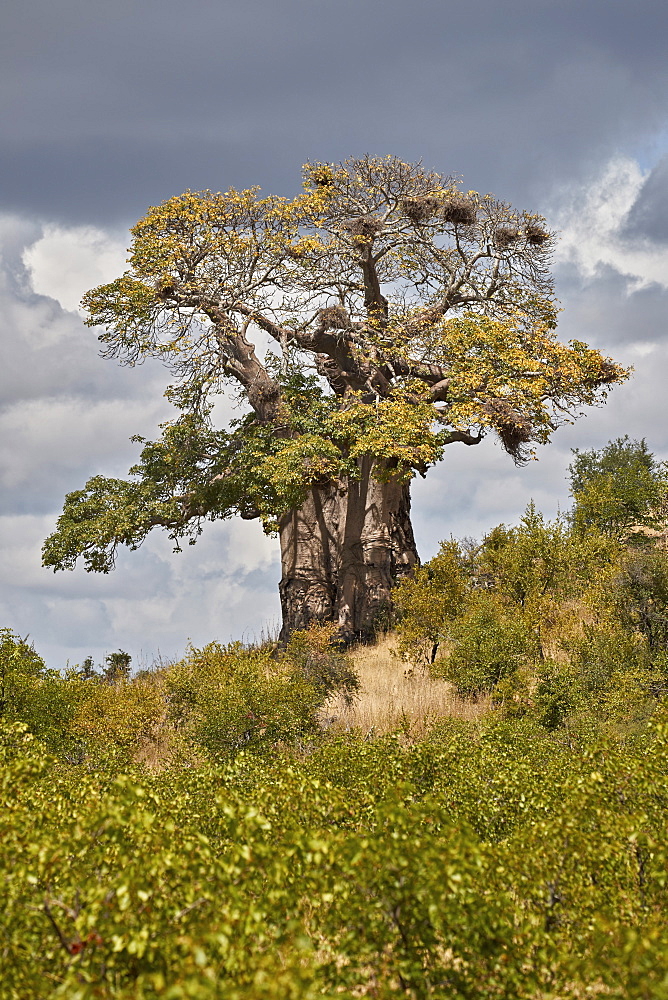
(343, 551)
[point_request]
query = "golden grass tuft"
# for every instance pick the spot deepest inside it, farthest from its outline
(396, 695)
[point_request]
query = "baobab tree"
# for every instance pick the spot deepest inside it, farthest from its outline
(364, 326)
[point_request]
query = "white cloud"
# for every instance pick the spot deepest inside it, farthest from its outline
(154, 601)
(77, 433)
(592, 229)
(643, 348)
(249, 548)
(66, 414)
(66, 262)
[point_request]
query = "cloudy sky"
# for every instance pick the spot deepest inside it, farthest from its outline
(555, 105)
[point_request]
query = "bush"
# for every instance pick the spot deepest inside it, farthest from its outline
(618, 488)
(489, 860)
(641, 594)
(226, 698)
(42, 699)
(117, 718)
(118, 667)
(539, 561)
(489, 641)
(558, 694)
(311, 652)
(603, 649)
(19, 667)
(429, 601)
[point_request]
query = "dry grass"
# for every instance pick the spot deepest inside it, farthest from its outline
(394, 695)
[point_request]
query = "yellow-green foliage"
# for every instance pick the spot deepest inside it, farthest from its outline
(490, 639)
(19, 666)
(217, 699)
(120, 715)
(518, 856)
(539, 561)
(555, 620)
(311, 652)
(488, 860)
(618, 488)
(41, 698)
(430, 600)
(502, 857)
(229, 697)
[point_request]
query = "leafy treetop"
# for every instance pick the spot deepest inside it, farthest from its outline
(619, 487)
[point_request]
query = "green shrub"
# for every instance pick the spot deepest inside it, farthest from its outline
(618, 488)
(640, 594)
(609, 678)
(429, 601)
(603, 649)
(43, 699)
(19, 667)
(311, 652)
(117, 719)
(558, 694)
(489, 641)
(539, 560)
(118, 667)
(226, 698)
(490, 860)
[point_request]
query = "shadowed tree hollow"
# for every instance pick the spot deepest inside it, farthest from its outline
(363, 327)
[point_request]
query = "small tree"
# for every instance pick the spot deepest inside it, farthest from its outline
(367, 324)
(118, 667)
(87, 671)
(429, 601)
(20, 668)
(618, 487)
(641, 595)
(490, 640)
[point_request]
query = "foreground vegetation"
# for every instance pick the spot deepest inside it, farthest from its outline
(220, 827)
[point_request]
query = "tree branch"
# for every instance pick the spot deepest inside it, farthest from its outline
(463, 437)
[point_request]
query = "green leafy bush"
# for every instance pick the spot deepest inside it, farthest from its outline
(429, 601)
(489, 641)
(312, 652)
(118, 667)
(520, 854)
(19, 667)
(641, 594)
(539, 564)
(119, 718)
(42, 699)
(490, 859)
(226, 698)
(558, 694)
(618, 488)
(603, 649)
(539, 568)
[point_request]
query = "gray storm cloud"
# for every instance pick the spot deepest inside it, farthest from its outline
(109, 108)
(648, 218)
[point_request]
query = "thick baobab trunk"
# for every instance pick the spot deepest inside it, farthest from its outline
(342, 552)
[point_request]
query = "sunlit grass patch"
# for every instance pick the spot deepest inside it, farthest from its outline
(395, 695)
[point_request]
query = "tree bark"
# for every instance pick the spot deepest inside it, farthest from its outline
(342, 552)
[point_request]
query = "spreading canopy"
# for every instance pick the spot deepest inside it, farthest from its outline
(383, 312)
